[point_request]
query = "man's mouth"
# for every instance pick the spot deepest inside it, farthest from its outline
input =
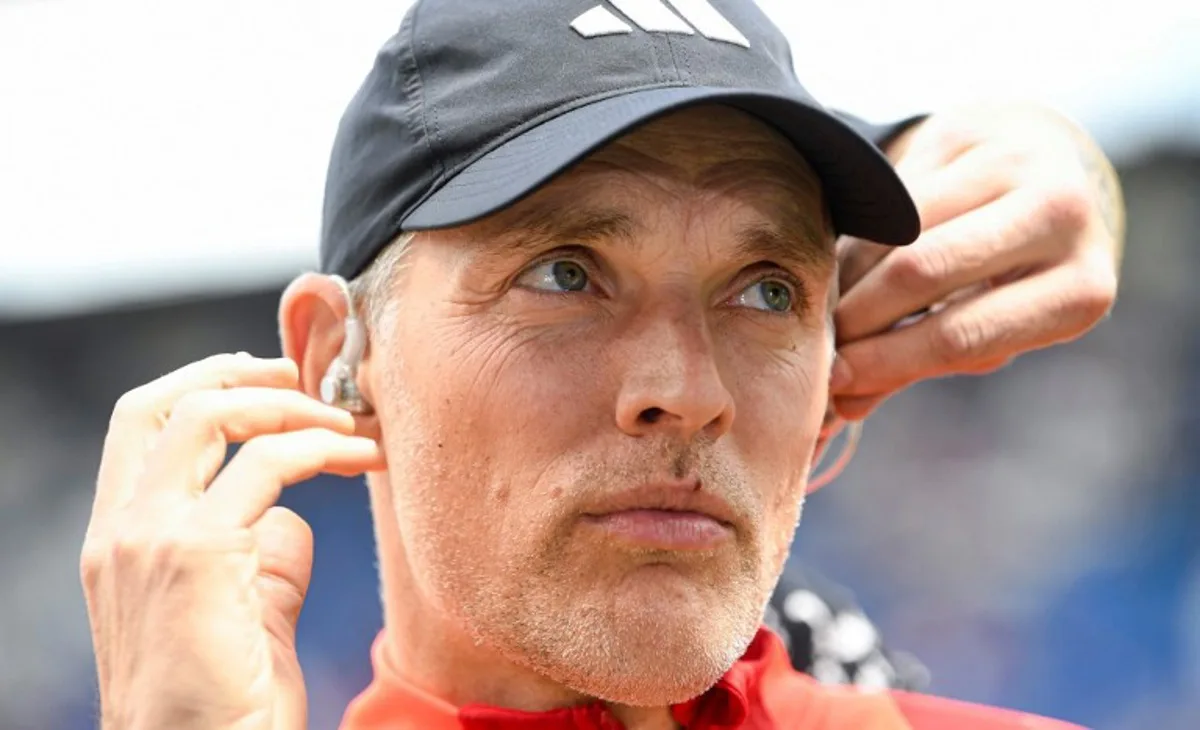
(672, 515)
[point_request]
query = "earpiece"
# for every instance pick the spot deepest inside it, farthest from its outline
(338, 387)
(819, 478)
(853, 433)
(831, 338)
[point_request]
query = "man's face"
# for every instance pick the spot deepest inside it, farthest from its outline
(599, 406)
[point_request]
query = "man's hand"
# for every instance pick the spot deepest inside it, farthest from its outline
(1023, 228)
(193, 579)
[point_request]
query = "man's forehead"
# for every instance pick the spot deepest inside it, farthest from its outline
(708, 150)
(694, 142)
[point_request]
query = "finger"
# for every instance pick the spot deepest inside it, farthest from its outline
(857, 408)
(973, 179)
(254, 478)
(856, 257)
(1000, 237)
(285, 553)
(970, 180)
(933, 146)
(285, 550)
(140, 414)
(989, 328)
(860, 407)
(193, 446)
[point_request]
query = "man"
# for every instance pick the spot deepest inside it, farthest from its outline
(585, 360)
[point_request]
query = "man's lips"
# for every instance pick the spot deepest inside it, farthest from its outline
(676, 515)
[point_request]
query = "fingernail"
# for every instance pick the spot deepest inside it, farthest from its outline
(842, 376)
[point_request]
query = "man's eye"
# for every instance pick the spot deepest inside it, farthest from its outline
(768, 295)
(561, 275)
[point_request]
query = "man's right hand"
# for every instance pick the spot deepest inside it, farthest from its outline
(194, 579)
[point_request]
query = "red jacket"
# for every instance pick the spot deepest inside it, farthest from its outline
(761, 692)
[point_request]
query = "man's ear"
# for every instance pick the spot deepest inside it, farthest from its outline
(312, 316)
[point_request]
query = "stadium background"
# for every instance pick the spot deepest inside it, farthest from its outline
(1031, 535)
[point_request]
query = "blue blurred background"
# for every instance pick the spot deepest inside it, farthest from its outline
(1031, 535)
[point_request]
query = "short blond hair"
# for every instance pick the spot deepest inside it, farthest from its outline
(372, 290)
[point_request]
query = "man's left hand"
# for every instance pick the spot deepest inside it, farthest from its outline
(1022, 234)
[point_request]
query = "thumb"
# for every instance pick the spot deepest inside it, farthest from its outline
(285, 555)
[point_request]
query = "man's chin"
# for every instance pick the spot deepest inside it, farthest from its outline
(672, 672)
(660, 648)
(659, 690)
(646, 632)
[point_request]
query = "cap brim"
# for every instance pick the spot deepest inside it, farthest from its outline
(865, 196)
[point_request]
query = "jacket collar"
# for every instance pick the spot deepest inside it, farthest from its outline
(393, 703)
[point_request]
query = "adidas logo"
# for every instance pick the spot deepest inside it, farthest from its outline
(654, 17)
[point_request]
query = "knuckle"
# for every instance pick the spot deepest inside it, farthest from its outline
(132, 405)
(1095, 293)
(266, 451)
(1013, 158)
(954, 133)
(870, 358)
(197, 411)
(918, 269)
(144, 549)
(114, 558)
(130, 546)
(224, 361)
(958, 341)
(1013, 163)
(1066, 207)
(192, 407)
(92, 560)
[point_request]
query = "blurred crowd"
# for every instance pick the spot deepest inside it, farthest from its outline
(1030, 535)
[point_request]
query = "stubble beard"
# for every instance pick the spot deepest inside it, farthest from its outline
(596, 620)
(621, 638)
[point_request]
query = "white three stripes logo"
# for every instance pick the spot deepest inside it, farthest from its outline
(654, 17)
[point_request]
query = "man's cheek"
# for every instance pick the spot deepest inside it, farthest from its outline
(779, 418)
(500, 418)
(534, 394)
(775, 432)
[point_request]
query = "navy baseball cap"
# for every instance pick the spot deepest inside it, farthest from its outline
(474, 104)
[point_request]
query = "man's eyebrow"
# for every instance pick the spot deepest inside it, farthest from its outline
(536, 226)
(533, 228)
(808, 248)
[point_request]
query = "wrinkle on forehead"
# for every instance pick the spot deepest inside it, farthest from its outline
(708, 149)
(723, 150)
(697, 138)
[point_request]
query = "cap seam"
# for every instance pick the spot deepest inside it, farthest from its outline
(674, 60)
(686, 54)
(433, 142)
(358, 258)
(420, 88)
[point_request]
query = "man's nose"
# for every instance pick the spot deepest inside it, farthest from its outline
(670, 379)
